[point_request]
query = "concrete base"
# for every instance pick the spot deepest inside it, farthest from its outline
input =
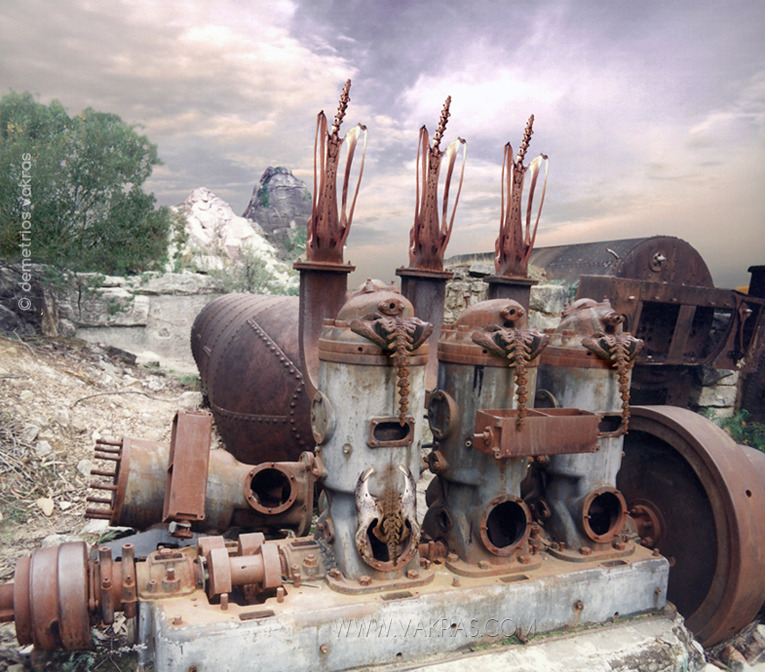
(659, 643)
(316, 628)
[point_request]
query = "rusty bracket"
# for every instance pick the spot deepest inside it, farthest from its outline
(551, 431)
(186, 486)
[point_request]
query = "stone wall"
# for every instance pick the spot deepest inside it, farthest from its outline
(467, 287)
(149, 315)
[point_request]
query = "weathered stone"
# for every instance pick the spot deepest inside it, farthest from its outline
(11, 323)
(549, 299)
(540, 321)
(43, 449)
(718, 396)
(111, 306)
(154, 383)
(58, 539)
(66, 328)
(46, 505)
(190, 400)
(62, 417)
(178, 284)
(479, 269)
(708, 375)
(29, 433)
(280, 203)
(26, 396)
(95, 526)
(85, 466)
(129, 381)
(147, 358)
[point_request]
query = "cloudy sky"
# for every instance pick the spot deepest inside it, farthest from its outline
(651, 112)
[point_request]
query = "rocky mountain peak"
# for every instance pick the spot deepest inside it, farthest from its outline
(280, 204)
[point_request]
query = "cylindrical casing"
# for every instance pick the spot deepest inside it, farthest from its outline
(275, 495)
(357, 412)
(581, 490)
(248, 353)
(367, 421)
(476, 508)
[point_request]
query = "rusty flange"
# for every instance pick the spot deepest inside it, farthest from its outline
(710, 499)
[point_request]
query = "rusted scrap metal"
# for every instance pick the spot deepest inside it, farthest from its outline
(248, 351)
(187, 467)
(195, 488)
(430, 232)
(654, 258)
(703, 496)
(514, 243)
(327, 231)
(676, 321)
(545, 432)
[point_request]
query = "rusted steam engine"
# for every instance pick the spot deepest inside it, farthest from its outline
(532, 519)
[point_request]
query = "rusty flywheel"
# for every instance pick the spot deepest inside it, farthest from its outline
(699, 498)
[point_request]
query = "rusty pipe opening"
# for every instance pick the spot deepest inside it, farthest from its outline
(505, 525)
(270, 489)
(604, 513)
(388, 552)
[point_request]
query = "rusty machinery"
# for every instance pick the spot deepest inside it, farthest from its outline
(574, 512)
(664, 290)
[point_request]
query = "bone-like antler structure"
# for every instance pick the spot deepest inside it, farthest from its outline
(328, 231)
(514, 244)
(429, 237)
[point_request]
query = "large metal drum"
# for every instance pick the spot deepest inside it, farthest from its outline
(655, 259)
(246, 347)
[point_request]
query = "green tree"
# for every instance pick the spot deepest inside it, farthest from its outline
(76, 184)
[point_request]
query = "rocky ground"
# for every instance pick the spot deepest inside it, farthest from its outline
(56, 398)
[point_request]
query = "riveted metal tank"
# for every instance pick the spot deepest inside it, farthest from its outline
(655, 259)
(248, 353)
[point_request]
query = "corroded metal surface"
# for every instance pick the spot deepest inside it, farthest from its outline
(431, 231)
(272, 494)
(654, 259)
(710, 499)
(515, 242)
(547, 432)
(676, 321)
(372, 372)
(250, 366)
(328, 230)
(187, 466)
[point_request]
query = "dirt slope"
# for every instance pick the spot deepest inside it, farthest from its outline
(56, 398)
